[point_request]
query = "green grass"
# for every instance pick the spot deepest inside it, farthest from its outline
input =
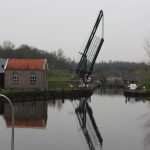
(146, 84)
(145, 74)
(59, 79)
(59, 75)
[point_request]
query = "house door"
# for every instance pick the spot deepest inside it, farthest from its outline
(1, 80)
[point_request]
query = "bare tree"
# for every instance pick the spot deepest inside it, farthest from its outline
(147, 46)
(8, 45)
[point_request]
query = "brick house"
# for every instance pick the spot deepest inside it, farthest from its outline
(26, 74)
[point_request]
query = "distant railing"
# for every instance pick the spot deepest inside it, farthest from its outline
(12, 109)
(65, 85)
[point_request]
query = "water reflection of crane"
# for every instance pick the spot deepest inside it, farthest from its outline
(88, 125)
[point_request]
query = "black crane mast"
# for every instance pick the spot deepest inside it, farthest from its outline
(86, 64)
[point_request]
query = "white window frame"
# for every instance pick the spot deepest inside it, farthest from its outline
(33, 78)
(15, 78)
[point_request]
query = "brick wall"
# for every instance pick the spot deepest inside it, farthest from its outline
(24, 79)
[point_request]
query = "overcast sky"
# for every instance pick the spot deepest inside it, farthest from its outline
(65, 24)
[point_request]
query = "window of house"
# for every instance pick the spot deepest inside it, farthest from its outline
(15, 78)
(33, 78)
(32, 108)
(2, 66)
(16, 110)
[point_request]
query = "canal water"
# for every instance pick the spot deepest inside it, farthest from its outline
(104, 121)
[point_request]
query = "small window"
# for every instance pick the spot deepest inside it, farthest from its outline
(16, 110)
(15, 78)
(32, 109)
(33, 78)
(2, 66)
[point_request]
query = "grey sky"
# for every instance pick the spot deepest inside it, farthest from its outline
(65, 24)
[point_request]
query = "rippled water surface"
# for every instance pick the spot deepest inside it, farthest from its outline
(104, 121)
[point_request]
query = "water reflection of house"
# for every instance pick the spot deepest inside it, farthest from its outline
(27, 114)
(26, 73)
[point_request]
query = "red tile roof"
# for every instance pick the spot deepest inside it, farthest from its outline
(25, 64)
(27, 123)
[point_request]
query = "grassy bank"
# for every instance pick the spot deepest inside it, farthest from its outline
(59, 75)
(59, 79)
(145, 82)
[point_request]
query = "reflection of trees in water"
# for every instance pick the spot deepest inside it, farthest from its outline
(147, 142)
(145, 117)
(88, 125)
(132, 100)
(147, 130)
(109, 91)
(56, 103)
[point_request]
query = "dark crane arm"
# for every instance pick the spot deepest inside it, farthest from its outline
(81, 69)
